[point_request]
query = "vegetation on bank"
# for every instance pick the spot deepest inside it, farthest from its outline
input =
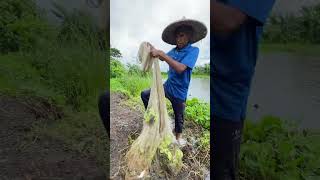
(274, 149)
(294, 33)
(292, 48)
(64, 66)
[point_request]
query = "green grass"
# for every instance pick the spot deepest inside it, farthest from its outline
(130, 85)
(295, 48)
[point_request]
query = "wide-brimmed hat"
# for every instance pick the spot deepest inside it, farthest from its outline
(199, 30)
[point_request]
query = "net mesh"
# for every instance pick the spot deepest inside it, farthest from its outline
(156, 136)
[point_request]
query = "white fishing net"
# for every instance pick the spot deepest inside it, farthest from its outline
(156, 136)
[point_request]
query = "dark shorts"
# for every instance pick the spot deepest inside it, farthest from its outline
(177, 105)
(226, 140)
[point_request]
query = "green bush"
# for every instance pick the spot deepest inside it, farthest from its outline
(134, 69)
(117, 69)
(20, 25)
(303, 28)
(199, 112)
(77, 26)
(77, 72)
(204, 140)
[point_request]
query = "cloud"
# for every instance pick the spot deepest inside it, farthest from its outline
(132, 22)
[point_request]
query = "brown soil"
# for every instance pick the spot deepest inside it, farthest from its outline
(22, 157)
(123, 123)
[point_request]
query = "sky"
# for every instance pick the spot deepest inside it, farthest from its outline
(132, 22)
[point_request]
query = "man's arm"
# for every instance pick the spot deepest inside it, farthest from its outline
(226, 19)
(177, 66)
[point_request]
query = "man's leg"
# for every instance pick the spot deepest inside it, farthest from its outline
(178, 107)
(145, 95)
(104, 109)
(226, 148)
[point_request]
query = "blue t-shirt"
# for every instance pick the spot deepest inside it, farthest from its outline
(234, 59)
(177, 84)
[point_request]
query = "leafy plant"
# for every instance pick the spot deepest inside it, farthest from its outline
(272, 149)
(199, 112)
(204, 140)
(20, 25)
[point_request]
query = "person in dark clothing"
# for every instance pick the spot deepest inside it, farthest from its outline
(236, 29)
(104, 110)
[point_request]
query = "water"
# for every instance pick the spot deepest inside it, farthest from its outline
(200, 88)
(284, 85)
(287, 86)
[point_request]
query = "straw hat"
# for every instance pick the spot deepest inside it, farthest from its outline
(199, 30)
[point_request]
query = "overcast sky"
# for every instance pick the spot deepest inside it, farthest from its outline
(132, 22)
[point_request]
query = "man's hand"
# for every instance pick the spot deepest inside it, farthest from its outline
(157, 53)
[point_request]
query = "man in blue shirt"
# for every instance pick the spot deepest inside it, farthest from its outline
(237, 27)
(181, 61)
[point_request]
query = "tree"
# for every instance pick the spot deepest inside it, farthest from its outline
(115, 53)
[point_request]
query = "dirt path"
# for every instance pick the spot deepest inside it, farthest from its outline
(40, 158)
(126, 122)
(123, 122)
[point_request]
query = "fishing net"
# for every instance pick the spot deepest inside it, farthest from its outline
(156, 137)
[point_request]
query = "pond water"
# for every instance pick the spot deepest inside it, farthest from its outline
(287, 86)
(284, 85)
(200, 88)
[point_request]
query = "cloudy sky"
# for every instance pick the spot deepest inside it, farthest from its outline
(144, 20)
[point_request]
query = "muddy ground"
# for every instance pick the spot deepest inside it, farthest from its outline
(26, 156)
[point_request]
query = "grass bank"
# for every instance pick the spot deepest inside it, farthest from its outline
(293, 48)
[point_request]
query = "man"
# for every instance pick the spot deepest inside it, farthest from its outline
(181, 61)
(237, 27)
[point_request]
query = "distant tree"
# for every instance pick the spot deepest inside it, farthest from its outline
(115, 53)
(204, 69)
